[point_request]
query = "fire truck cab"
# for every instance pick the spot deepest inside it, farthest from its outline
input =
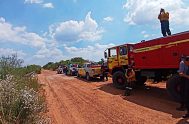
(119, 58)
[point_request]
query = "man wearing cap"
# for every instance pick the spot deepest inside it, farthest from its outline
(182, 70)
(164, 20)
(186, 86)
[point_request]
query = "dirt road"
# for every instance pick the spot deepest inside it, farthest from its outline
(75, 101)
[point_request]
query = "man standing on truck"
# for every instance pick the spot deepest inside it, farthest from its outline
(186, 87)
(164, 20)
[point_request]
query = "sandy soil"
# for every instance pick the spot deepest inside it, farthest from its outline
(72, 100)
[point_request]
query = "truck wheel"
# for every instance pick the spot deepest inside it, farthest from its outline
(88, 77)
(119, 80)
(173, 87)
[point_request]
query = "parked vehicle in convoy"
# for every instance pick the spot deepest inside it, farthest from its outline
(89, 70)
(72, 69)
(65, 70)
(156, 58)
(60, 70)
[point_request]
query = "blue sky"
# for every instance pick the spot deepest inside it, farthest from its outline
(40, 31)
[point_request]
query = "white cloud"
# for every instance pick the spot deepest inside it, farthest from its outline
(43, 56)
(50, 51)
(69, 31)
(19, 35)
(33, 1)
(9, 52)
(48, 5)
(146, 11)
(40, 2)
(146, 35)
(95, 52)
(47, 49)
(143, 32)
(2, 20)
(108, 19)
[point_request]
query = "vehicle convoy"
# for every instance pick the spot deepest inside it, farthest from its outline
(72, 69)
(157, 59)
(89, 70)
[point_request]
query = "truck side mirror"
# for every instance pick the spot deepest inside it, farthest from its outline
(105, 55)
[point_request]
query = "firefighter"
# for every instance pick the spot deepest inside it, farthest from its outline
(185, 96)
(66, 70)
(182, 69)
(130, 75)
(104, 70)
(164, 20)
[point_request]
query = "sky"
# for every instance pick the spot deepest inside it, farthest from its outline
(42, 31)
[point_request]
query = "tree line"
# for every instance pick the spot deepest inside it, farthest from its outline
(77, 60)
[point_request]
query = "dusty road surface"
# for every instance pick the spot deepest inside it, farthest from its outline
(75, 101)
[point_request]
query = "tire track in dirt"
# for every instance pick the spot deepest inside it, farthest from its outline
(73, 101)
(89, 98)
(113, 116)
(69, 114)
(53, 102)
(85, 102)
(117, 113)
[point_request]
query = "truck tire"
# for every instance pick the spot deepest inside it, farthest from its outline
(173, 87)
(88, 76)
(119, 80)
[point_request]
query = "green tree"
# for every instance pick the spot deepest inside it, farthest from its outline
(8, 65)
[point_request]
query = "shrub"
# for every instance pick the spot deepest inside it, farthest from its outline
(8, 65)
(20, 101)
(34, 68)
(18, 104)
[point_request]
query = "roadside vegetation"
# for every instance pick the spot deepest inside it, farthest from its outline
(20, 99)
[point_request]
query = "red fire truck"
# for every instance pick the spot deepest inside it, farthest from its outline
(157, 58)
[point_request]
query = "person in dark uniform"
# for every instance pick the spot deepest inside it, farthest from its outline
(182, 69)
(104, 70)
(186, 87)
(66, 70)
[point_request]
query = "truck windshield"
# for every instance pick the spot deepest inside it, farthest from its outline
(88, 65)
(112, 52)
(123, 50)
